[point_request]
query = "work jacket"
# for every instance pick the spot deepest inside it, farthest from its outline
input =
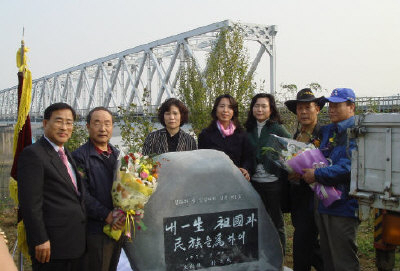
(98, 175)
(337, 148)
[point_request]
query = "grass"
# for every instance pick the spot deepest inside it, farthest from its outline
(8, 218)
(365, 237)
(8, 213)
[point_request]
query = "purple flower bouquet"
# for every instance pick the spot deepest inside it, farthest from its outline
(327, 194)
(311, 158)
(315, 159)
(296, 156)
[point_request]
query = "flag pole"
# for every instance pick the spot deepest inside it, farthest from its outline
(21, 256)
(22, 138)
(22, 45)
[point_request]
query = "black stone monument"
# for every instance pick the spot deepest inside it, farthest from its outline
(204, 216)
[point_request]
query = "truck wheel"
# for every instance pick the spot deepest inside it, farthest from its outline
(384, 259)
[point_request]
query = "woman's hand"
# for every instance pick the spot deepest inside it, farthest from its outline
(245, 173)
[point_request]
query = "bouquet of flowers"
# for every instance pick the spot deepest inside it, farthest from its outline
(135, 182)
(295, 156)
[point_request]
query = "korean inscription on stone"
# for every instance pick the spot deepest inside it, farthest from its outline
(212, 239)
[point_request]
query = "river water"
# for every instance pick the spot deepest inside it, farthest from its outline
(6, 154)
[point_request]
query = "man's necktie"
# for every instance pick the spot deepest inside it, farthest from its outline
(64, 158)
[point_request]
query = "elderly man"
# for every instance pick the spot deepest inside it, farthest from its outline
(338, 222)
(306, 251)
(50, 196)
(97, 161)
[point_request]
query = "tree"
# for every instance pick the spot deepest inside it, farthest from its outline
(289, 92)
(134, 126)
(193, 94)
(78, 137)
(226, 72)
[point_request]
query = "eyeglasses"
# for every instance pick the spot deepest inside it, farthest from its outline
(60, 123)
(101, 124)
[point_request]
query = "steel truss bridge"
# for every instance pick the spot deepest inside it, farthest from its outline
(122, 78)
(379, 104)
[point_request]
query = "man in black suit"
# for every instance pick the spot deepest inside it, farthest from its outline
(49, 192)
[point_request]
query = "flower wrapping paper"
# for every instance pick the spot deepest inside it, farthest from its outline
(134, 183)
(296, 156)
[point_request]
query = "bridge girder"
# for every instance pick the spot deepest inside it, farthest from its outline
(120, 79)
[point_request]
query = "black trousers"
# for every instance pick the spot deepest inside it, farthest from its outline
(59, 265)
(306, 249)
(271, 195)
(102, 252)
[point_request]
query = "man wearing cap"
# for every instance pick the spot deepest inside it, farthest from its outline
(338, 222)
(306, 251)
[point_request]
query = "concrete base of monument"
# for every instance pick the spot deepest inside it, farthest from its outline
(205, 216)
(124, 265)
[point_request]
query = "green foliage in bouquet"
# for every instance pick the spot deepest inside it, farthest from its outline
(226, 72)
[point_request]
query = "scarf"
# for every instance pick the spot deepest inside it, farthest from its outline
(228, 131)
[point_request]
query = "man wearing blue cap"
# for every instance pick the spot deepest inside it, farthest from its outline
(338, 222)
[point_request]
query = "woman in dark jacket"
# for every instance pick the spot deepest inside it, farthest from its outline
(172, 114)
(262, 121)
(227, 135)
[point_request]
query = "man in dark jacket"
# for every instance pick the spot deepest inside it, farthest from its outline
(50, 196)
(306, 250)
(97, 163)
(338, 222)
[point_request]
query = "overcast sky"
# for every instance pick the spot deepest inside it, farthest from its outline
(339, 43)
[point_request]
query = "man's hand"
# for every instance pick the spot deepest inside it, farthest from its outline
(42, 252)
(117, 223)
(109, 218)
(294, 177)
(309, 176)
(245, 173)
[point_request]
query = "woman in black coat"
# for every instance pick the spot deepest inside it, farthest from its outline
(172, 114)
(227, 135)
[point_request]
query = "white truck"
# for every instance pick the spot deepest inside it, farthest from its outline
(375, 179)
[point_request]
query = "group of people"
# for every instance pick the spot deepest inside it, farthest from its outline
(65, 198)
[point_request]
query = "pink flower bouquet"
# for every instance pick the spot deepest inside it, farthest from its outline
(296, 156)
